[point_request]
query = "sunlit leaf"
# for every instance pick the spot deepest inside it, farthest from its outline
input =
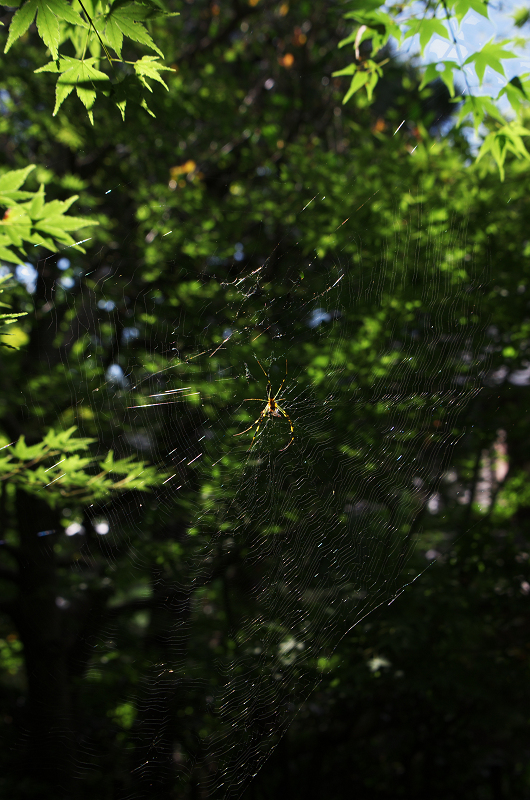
(426, 29)
(490, 56)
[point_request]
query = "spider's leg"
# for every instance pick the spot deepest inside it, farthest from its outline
(288, 418)
(256, 421)
(259, 362)
(259, 399)
(269, 387)
(281, 384)
(257, 429)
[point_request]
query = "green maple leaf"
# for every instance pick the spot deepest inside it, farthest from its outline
(129, 91)
(124, 21)
(516, 91)
(146, 9)
(479, 106)
(446, 75)
(11, 316)
(461, 7)
(427, 28)
(148, 67)
(379, 27)
(10, 184)
(506, 139)
(49, 14)
(34, 221)
(78, 74)
(490, 56)
(16, 225)
(366, 76)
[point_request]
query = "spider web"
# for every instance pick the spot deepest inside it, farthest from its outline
(259, 557)
(311, 538)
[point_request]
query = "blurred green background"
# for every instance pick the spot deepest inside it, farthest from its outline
(346, 617)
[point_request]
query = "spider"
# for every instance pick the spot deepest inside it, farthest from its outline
(272, 409)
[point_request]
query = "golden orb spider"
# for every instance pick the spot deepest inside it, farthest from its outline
(272, 409)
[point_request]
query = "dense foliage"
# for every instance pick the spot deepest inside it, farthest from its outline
(94, 49)
(256, 216)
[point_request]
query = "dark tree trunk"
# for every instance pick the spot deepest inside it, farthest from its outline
(37, 615)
